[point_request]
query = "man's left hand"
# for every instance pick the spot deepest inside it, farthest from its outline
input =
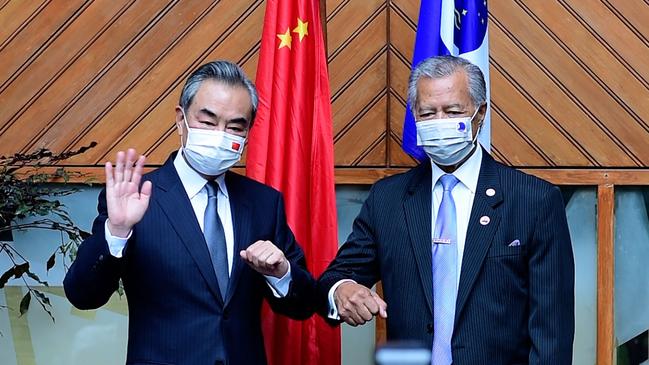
(265, 258)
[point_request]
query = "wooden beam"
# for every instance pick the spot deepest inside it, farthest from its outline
(565, 176)
(361, 176)
(605, 274)
(559, 176)
(368, 176)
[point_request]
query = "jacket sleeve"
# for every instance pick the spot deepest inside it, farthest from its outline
(299, 301)
(551, 321)
(357, 259)
(94, 275)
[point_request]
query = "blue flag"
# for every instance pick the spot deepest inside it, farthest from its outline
(455, 27)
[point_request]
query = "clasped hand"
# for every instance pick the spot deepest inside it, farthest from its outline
(357, 304)
(265, 258)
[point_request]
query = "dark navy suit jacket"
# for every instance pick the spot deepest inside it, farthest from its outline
(176, 313)
(515, 303)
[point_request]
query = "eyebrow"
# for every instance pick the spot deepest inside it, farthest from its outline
(442, 107)
(209, 113)
(243, 121)
(213, 115)
(459, 106)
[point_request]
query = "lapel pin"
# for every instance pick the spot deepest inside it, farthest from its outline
(484, 220)
(491, 192)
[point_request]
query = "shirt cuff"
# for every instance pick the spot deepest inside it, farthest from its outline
(115, 244)
(280, 286)
(333, 310)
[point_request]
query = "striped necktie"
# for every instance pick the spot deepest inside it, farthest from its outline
(444, 274)
(215, 238)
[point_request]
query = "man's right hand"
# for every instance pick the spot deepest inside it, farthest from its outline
(126, 202)
(357, 304)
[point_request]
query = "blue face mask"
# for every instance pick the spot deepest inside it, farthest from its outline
(446, 141)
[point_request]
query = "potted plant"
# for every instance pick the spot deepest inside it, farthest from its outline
(25, 192)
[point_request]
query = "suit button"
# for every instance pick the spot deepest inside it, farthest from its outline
(429, 328)
(101, 257)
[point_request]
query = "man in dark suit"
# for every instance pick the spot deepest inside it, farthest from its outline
(197, 247)
(474, 257)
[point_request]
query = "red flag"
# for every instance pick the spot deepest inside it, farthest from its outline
(291, 149)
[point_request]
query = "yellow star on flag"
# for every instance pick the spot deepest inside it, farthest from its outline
(285, 39)
(302, 28)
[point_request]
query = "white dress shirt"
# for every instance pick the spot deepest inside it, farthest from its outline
(194, 185)
(463, 195)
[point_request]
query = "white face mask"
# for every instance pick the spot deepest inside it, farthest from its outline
(446, 141)
(211, 152)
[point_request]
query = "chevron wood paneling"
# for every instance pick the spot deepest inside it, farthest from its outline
(357, 51)
(577, 67)
(111, 70)
(569, 79)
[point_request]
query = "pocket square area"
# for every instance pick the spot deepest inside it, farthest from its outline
(514, 243)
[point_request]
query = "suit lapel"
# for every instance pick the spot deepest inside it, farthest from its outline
(241, 221)
(418, 214)
(483, 223)
(173, 200)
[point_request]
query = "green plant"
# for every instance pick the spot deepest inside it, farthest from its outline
(25, 193)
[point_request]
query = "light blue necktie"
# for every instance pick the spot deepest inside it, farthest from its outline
(444, 274)
(215, 238)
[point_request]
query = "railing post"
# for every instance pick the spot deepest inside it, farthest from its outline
(605, 274)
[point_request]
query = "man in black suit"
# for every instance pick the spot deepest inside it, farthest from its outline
(474, 257)
(197, 247)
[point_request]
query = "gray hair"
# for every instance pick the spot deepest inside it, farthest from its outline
(222, 71)
(443, 66)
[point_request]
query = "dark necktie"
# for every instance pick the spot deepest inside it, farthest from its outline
(215, 238)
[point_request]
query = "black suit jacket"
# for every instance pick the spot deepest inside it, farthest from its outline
(176, 313)
(515, 304)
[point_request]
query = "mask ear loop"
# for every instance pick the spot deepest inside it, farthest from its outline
(182, 110)
(477, 133)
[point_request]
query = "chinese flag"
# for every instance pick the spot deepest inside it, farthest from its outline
(291, 149)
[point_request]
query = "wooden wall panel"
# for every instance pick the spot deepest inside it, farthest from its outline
(15, 15)
(36, 36)
(162, 86)
(143, 57)
(357, 51)
(403, 25)
(569, 79)
(555, 58)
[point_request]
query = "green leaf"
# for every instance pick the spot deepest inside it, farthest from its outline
(44, 299)
(24, 303)
(51, 261)
(36, 278)
(6, 276)
(19, 270)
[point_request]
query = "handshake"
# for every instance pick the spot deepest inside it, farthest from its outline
(357, 304)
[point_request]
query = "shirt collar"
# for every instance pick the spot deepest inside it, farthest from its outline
(467, 173)
(192, 181)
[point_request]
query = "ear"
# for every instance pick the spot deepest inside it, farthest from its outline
(480, 115)
(180, 124)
